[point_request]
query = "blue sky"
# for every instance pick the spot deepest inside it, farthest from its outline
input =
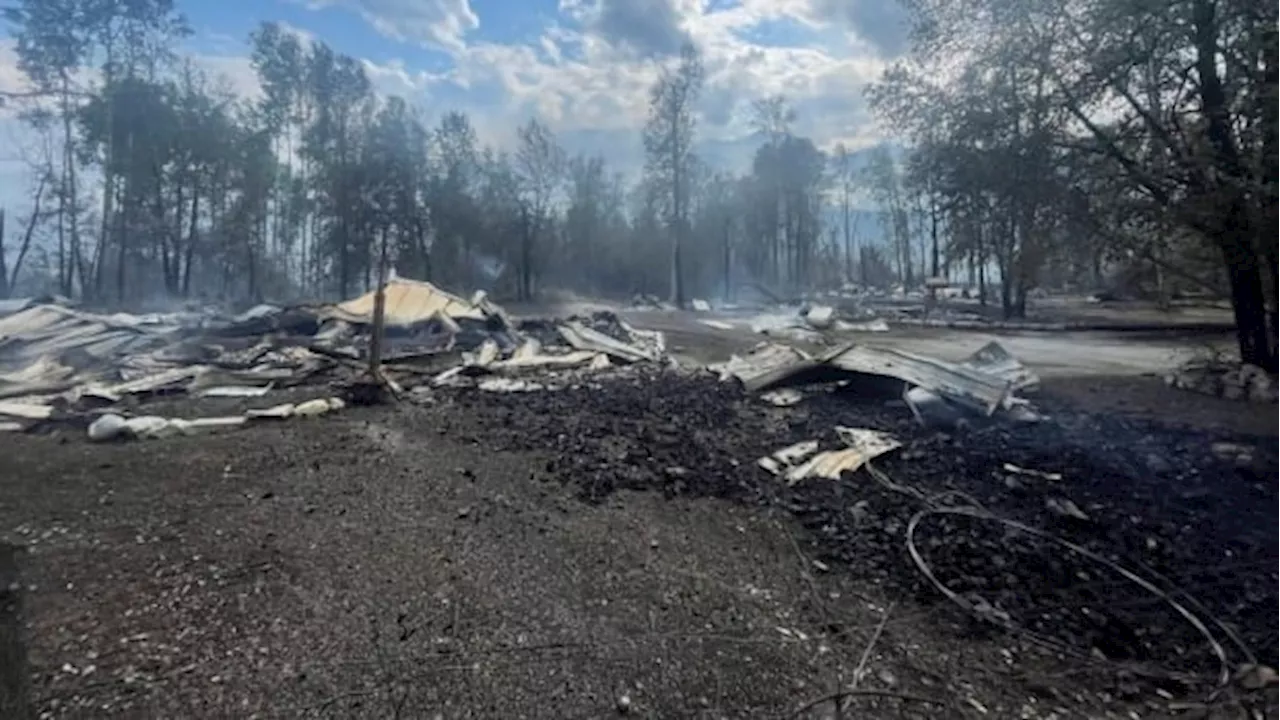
(583, 66)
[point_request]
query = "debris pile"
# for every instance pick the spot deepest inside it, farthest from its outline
(938, 393)
(1224, 378)
(1037, 530)
(60, 365)
(802, 460)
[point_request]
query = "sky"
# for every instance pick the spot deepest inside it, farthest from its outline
(582, 66)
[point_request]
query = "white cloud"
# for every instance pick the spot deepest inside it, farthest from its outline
(12, 80)
(433, 23)
(235, 72)
(590, 84)
(394, 78)
(581, 81)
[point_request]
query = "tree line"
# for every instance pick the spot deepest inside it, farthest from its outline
(1057, 139)
(153, 179)
(1043, 144)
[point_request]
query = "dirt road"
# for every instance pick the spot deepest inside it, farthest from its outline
(1053, 354)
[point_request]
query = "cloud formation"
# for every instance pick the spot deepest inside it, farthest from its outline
(882, 24)
(586, 69)
(588, 75)
(648, 28)
(432, 23)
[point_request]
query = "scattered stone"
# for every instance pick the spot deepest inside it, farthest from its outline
(1157, 464)
(1219, 378)
(1255, 677)
(1064, 507)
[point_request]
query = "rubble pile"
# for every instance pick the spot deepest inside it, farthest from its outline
(63, 365)
(865, 478)
(938, 393)
(1224, 378)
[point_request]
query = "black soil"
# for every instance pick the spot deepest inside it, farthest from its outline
(615, 547)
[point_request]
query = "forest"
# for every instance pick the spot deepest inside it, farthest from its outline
(1038, 145)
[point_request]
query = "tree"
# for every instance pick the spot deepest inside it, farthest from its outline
(1106, 109)
(51, 45)
(668, 142)
(884, 177)
(540, 166)
(846, 182)
(452, 206)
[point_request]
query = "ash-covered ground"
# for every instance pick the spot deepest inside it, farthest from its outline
(614, 549)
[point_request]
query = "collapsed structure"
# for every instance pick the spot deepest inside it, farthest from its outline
(60, 364)
(984, 385)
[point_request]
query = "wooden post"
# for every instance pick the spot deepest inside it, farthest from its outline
(379, 313)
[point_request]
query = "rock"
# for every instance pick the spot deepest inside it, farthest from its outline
(1234, 453)
(1064, 507)
(1261, 387)
(1255, 677)
(624, 704)
(1157, 464)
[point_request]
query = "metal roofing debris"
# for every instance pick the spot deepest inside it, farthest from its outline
(717, 324)
(113, 427)
(581, 337)
(799, 462)
(792, 326)
(877, 325)
(764, 359)
(984, 383)
(57, 362)
(785, 397)
(236, 391)
(51, 330)
(25, 411)
(409, 302)
(820, 316)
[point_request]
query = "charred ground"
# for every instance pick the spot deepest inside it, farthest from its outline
(548, 554)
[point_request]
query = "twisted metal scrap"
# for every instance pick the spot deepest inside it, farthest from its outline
(978, 513)
(971, 508)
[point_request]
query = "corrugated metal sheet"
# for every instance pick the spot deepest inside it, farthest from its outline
(984, 382)
(408, 302)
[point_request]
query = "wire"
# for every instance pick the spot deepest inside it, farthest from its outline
(980, 514)
(973, 509)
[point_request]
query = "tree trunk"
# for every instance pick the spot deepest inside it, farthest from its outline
(4, 273)
(1270, 152)
(191, 242)
(6, 286)
(728, 262)
(933, 219)
(1256, 337)
(982, 268)
(108, 198)
(846, 212)
(677, 226)
(69, 170)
